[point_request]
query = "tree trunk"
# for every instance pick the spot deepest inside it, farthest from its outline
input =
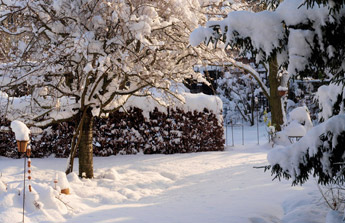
(252, 107)
(85, 147)
(275, 99)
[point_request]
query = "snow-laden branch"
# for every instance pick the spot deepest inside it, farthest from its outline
(253, 73)
(99, 55)
(317, 152)
(297, 34)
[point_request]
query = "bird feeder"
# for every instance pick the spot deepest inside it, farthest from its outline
(65, 191)
(22, 144)
(282, 92)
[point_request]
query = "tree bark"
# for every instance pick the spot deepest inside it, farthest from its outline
(275, 99)
(75, 144)
(85, 146)
(252, 107)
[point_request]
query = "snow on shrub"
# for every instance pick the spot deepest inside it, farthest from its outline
(298, 125)
(301, 115)
(331, 100)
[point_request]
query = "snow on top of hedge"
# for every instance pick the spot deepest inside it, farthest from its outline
(192, 102)
(188, 102)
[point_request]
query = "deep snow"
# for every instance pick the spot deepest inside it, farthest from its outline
(211, 187)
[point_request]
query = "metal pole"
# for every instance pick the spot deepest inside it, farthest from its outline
(24, 185)
(242, 132)
(226, 134)
(257, 122)
(232, 133)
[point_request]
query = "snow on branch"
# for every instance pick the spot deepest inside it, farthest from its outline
(295, 32)
(253, 73)
(96, 58)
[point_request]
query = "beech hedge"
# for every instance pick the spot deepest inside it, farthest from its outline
(175, 131)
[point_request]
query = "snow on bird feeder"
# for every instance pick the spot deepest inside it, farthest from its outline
(62, 183)
(21, 132)
(282, 91)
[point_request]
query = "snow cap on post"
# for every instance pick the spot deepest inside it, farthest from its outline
(20, 130)
(63, 183)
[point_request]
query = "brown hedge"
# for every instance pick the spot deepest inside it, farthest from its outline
(129, 133)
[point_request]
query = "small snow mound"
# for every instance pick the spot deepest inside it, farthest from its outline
(130, 194)
(334, 217)
(49, 197)
(73, 178)
(20, 130)
(295, 129)
(281, 139)
(32, 200)
(111, 174)
(299, 124)
(3, 187)
(301, 114)
(301, 208)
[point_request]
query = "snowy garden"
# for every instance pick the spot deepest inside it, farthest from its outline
(176, 111)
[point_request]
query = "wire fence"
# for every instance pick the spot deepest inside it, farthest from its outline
(240, 133)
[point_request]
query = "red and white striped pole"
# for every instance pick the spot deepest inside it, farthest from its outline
(28, 153)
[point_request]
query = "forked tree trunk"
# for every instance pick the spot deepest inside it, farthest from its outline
(275, 99)
(85, 147)
(75, 144)
(252, 107)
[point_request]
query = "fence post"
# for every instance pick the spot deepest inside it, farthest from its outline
(257, 117)
(242, 132)
(226, 134)
(232, 132)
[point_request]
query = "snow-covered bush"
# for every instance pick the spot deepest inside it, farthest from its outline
(299, 123)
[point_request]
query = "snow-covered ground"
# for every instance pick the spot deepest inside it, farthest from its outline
(212, 187)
